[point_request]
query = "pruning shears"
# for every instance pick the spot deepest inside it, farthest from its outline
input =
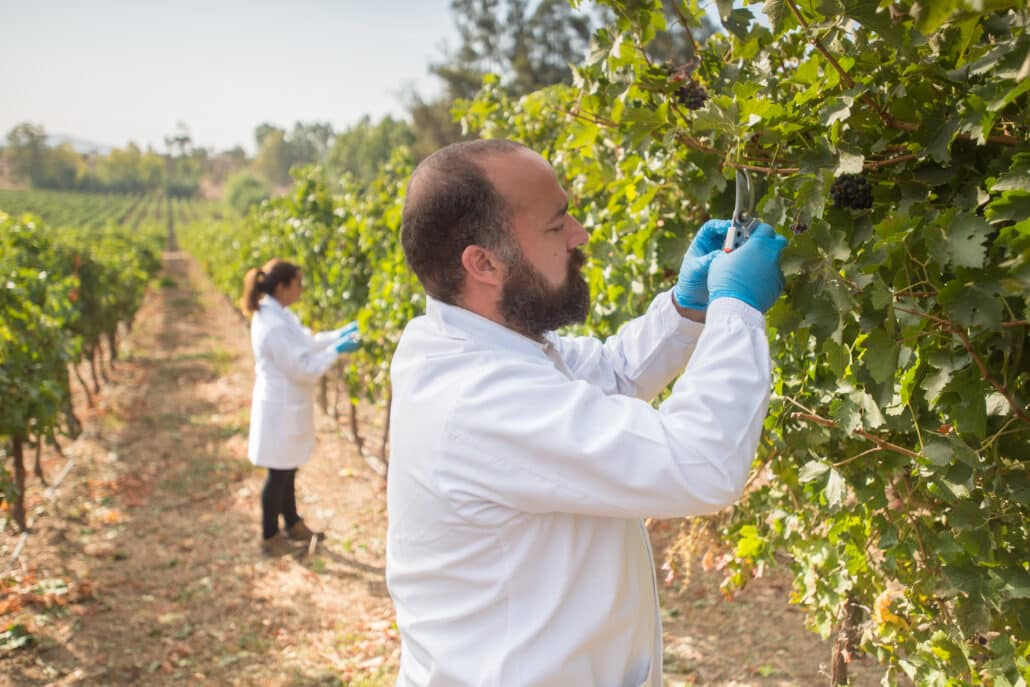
(744, 221)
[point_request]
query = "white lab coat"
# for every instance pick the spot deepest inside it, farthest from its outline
(519, 476)
(289, 359)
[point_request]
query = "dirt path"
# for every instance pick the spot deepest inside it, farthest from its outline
(144, 568)
(155, 530)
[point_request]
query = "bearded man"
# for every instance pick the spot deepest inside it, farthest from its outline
(523, 462)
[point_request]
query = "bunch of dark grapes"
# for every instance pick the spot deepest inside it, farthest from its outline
(799, 227)
(852, 191)
(692, 96)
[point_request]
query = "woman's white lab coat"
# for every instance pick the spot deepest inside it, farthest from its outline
(289, 359)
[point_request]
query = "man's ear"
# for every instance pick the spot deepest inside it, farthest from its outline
(483, 266)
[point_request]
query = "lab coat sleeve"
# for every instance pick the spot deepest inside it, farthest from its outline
(316, 342)
(641, 359)
(300, 363)
(323, 340)
(534, 441)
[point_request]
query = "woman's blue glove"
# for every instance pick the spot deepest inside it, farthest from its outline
(350, 338)
(347, 329)
(691, 290)
(751, 273)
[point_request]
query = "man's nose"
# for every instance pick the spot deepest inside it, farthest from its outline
(579, 234)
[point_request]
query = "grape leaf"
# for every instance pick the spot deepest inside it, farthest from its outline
(930, 14)
(850, 163)
(724, 7)
(846, 414)
(1017, 178)
(778, 15)
(966, 236)
(938, 451)
(812, 470)
(881, 355)
(971, 305)
(835, 489)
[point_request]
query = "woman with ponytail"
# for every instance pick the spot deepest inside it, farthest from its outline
(289, 361)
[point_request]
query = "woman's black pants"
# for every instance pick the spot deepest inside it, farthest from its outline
(278, 498)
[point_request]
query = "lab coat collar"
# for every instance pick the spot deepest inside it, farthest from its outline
(468, 325)
(274, 305)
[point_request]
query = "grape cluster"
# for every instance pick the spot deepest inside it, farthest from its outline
(799, 227)
(692, 96)
(852, 191)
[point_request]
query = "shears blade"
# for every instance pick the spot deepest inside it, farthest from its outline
(743, 208)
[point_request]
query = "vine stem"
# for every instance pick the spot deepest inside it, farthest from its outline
(877, 164)
(686, 27)
(888, 119)
(764, 170)
(874, 449)
(910, 514)
(964, 338)
(1001, 432)
(880, 442)
(692, 142)
(755, 475)
(959, 332)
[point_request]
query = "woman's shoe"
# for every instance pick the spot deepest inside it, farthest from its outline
(277, 546)
(298, 531)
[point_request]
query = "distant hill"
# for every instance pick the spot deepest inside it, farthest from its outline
(78, 144)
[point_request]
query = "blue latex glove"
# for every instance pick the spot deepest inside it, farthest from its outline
(345, 330)
(350, 339)
(691, 290)
(709, 237)
(751, 273)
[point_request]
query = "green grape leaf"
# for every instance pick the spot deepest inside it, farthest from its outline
(1009, 207)
(881, 355)
(971, 305)
(778, 15)
(812, 470)
(724, 7)
(836, 356)
(938, 451)
(836, 109)
(930, 14)
(846, 413)
(966, 236)
(835, 489)
(750, 544)
(1017, 178)
(1016, 583)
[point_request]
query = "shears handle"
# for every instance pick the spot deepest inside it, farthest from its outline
(738, 233)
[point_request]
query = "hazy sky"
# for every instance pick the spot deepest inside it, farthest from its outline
(114, 71)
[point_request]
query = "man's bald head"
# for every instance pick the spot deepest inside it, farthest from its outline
(451, 204)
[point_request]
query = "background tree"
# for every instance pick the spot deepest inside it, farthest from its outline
(278, 151)
(309, 143)
(263, 131)
(530, 49)
(244, 189)
(236, 155)
(62, 168)
(365, 147)
(184, 163)
(26, 152)
(273, 157)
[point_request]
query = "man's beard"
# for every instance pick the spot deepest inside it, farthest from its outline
(530, 306)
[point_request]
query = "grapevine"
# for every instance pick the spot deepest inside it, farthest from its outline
(893, 476)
